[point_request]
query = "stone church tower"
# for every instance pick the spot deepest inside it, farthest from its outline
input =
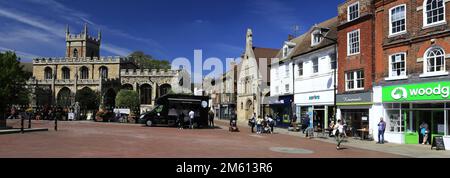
(82, 45)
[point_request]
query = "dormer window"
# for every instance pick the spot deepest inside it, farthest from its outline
(353, 11)
(316, 37)
(287, 48)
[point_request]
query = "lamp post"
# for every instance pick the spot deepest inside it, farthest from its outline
(335, 69)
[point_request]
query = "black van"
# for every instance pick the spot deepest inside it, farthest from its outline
(169, 108)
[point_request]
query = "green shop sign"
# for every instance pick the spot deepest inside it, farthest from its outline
(417, 92)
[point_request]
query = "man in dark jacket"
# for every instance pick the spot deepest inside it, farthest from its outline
(211, 118)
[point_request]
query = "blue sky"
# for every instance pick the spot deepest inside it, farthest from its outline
(166, 29)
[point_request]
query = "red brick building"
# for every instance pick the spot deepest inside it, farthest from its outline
(355, 62)
(412, 51)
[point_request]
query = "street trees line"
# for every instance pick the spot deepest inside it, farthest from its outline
(12, 82)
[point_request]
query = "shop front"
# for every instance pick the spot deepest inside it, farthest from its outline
(353, 110)
(318, 107)
(281, 110)
(409, 108)
(226, 110)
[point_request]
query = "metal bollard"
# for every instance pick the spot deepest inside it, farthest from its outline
(29, 123)
(22, 125)
(56, 124)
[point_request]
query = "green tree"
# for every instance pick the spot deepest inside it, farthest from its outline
(88, 99)
(127, 99)
(145, 61)
(12, 81)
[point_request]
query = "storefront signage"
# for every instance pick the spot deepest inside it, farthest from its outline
(417, 92)
(354, 98)
(315, 97)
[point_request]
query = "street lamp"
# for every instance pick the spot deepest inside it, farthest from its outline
(335, 68)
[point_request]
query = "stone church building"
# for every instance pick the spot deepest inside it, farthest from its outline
(56, 81)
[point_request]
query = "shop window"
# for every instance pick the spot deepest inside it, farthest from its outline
(448, 123)
(429, 106)
(395, 121)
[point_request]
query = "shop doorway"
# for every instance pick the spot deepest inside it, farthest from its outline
(434, 120)
(319, 119)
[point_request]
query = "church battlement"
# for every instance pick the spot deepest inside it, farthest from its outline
(80, 37)
(64, 60)
(147, 72)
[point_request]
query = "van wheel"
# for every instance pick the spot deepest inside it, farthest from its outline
(148, 123)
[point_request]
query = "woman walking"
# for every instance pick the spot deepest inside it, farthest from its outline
(339, 133)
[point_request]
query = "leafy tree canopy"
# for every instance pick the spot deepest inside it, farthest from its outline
(12, 80)
(146, 61)
(127, 99)
(88, 99)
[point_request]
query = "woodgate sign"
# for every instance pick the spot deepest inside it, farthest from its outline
(417, 92)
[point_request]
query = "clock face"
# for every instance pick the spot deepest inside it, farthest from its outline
(204, 104)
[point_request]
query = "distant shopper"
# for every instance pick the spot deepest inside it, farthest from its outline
(211, 118)
(305, 123)
(339, 133)
(424, 131)
(252, 122)
(181, 120)
(381, 130)
(191, 119)
(294, 123)
(259, 121)
(330, 129)
(13, 114)
(271, 123)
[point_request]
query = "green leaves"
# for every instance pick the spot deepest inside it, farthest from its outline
(145, 61)
(12, 80)
(127, 99)
(88, 99)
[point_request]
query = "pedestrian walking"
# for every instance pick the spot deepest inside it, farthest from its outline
(211, 118)
(191, 119)
(259, 121)
(252, 122)
(271, 123)
(181, 120)
(339, 133)
(294, 122)
(381, 130)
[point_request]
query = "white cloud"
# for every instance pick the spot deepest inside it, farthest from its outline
(23, 55)
(55, 29)
(32, 21)
(116, 50)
